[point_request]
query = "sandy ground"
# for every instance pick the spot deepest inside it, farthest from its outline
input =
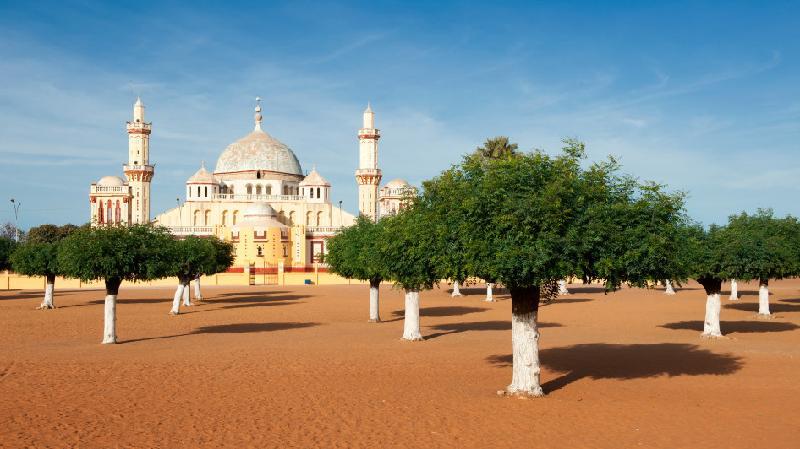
(302, 367)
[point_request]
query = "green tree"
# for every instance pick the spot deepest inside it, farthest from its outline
(407, 260)
(524, 224)
(701, 256)
(497, 148)
(7, 246)
(762, 247)
(355, 253)
(194, 257)
(37, 256)
(115, 254)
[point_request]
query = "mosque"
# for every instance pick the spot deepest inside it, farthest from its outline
(257, 196)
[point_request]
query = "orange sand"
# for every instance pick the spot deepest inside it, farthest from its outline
(301, 367)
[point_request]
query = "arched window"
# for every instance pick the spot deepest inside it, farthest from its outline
(291, 218)
(311, 191)
(206, 191)
(117, 213)
(319, 218)
(198, 191)
(258, 189)
(318, 195)
(235, 217)
(230, 190)
(207, 218)
(260, 251)
(109, 212)
(224, 219)
(258, 174)
(268, 189)
(100, 214)
(249, 188)
(285, 190)
(308, 218)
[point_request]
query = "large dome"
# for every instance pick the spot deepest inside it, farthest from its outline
(258, 151)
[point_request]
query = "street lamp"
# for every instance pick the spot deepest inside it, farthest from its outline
(16, 205)
(180, 212)
(340, 214)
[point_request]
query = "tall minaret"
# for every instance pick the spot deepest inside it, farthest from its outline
(138, 169)
(368, 175)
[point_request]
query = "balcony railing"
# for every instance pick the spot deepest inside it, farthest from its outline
(127, 167)
(322, 229)
(191, 230)
(254, 197)
(109, 189)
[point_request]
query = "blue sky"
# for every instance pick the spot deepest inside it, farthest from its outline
(702, 96)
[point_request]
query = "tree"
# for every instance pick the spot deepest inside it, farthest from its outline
(407, 258)
(193, 257)
(497, 148)
(38, 257)
(115, 254)
(11, 231)
(355, 253)
(525, 222)
(702, 256)
(7, 246)
(762, 247)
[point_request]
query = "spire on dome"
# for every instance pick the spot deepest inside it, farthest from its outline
(138, 110)
(369, 117)
(257, 115)
(369, 108)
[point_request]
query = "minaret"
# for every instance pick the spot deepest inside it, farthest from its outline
(138, 169)
(368, 175)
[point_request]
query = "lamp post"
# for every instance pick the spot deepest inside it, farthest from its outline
(340, 214)
(16, 205)
(180, 212)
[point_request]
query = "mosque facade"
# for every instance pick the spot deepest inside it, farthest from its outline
(256, 197)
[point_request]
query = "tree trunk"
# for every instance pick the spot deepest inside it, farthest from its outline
(198, 295)
(456, 291)
(711, 323)
(110, 311)
(47, 303)
(489, 297)
(176, 300)
(186, 289)
(562, 287)
(525, 342)
(763, 297)
(734, 291)
(374, 301)
(668, 290)
(411, 320)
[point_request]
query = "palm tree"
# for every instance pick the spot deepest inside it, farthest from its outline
(497, 148)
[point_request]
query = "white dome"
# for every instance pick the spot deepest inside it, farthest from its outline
(202, 176)
(397, 183)
(260, 216)
(110, 181)
(258, 151)
(260, 209)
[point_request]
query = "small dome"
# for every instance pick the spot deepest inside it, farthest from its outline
(202, 176)
(259, 210)
(397, 184)
(260, 216)
(110, 181)
(314, 179)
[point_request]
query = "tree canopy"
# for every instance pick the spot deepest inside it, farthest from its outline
(406, 250)
(7, 246)
(355, 252)
(116, 253)
(193, 256)
(497, 148)
(761, 246)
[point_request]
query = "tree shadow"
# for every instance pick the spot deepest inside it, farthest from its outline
(235, 328)
(735, 326)
(567, 300)
(239, 296)
(127, 301)
(457, 328)
(624, 362)
(585, 289)
(285, 301)
(753, 307)
(791, 300)
(4, 297)
(442, 311)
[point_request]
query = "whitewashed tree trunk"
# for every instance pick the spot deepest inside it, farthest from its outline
(525, 345)
(489, 296)
(711, 324)
(763, 298)
(374, 302)
(47, 303)
(186, 290)
(562, 287)
(456, 291)
(734, 291)
(668, 290)
(198, 295)
(110, 320)
(411, 321)
(176, 300)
